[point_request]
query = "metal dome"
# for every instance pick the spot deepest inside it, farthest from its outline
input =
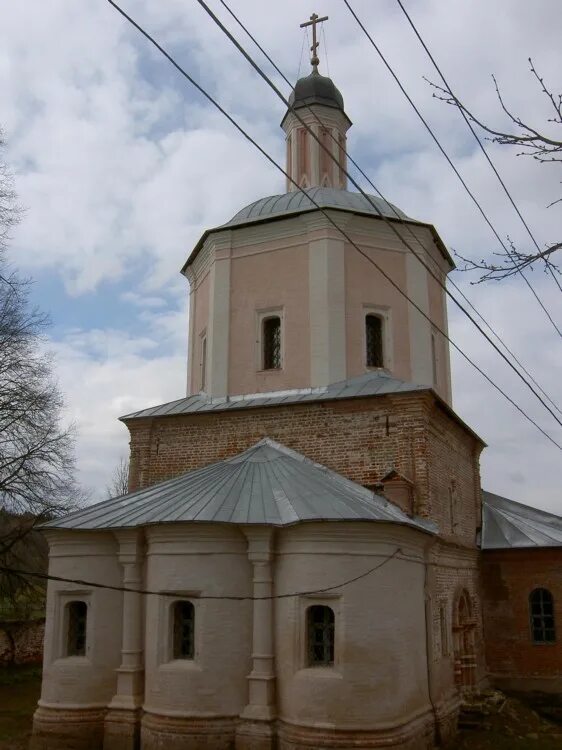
(316, 89)
(297, 202)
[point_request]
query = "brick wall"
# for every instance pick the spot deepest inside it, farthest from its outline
(360, 438)
(508, 577)
(21, 642)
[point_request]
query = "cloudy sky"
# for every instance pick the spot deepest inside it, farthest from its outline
(121, 165)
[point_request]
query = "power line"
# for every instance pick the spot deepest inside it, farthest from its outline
(179, 594)
(447, 157)
(344, 234)
(392, 207)
(478, 140)
(368, 198)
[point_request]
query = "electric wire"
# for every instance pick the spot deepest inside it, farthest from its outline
(450, 162)
(392, 207)
(270, 83)
(248, 137)
(216, 597)
(478, 140)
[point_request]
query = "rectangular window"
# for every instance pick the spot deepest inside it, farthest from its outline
(183, 627)
(320, 635)
(374, 340)
(77, 618)
(271, 343)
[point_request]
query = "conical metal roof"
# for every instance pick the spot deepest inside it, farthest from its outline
(507, 524)
(266, 484)
(296, 202)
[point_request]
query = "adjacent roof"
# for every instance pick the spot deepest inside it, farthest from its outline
(326, 197)
(376, 382)
(276, 207)
(266, 484)
(510, 525)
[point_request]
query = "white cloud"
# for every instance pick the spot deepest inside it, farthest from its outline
(122, 166)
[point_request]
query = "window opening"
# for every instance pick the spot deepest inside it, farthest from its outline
(203, 363)
(77, 613)
(373, 336)
(434, 358)
(541, 606)
(184, 620)
(272, 343)
(320, 626)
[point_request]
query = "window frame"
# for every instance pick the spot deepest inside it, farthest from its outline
(385, 315)
(261, 317)
(80, 624)
(60, 630)
(368, 317)
(309, 642)
(173, 655)
(542, 616)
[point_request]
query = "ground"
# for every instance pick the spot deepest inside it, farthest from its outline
(19, 693)
(509, 726)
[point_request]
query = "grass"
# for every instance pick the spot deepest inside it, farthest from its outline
(19, 692)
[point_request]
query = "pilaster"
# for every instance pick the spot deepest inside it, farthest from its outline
(218, 332)
(256, 731)
(122, 722)
(327, 311)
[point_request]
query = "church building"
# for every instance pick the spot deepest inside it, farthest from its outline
(297, 563)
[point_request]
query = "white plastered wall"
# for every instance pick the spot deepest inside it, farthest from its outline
(195, 559)
(82, 681)
(379, 678)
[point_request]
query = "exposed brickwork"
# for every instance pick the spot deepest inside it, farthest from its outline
(359, 438)
(21, 642)
(508, 577)
(362, 439)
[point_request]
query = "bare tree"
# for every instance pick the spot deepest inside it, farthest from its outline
(36, 449)
(119, 482)
(532, 141)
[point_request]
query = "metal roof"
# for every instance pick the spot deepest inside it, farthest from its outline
(296, 202)
(316, 89)
(375, 382)
(510, 525)
(266, 484)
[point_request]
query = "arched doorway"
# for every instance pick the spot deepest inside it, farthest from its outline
(463, 639)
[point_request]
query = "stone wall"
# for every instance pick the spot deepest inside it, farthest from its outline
(508, 577)
(21, 642)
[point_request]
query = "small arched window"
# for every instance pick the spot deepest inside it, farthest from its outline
(373, 340)
(271, 338)
(77, 620)
(184, 626)
(320, 635)
(541, 611)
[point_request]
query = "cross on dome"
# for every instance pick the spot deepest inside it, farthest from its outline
(314, 20)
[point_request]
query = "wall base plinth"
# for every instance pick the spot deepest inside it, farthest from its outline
(255, 735)
(446, 721)
(416, 735)
(122, 729)
(187, 733)
(67, 729)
